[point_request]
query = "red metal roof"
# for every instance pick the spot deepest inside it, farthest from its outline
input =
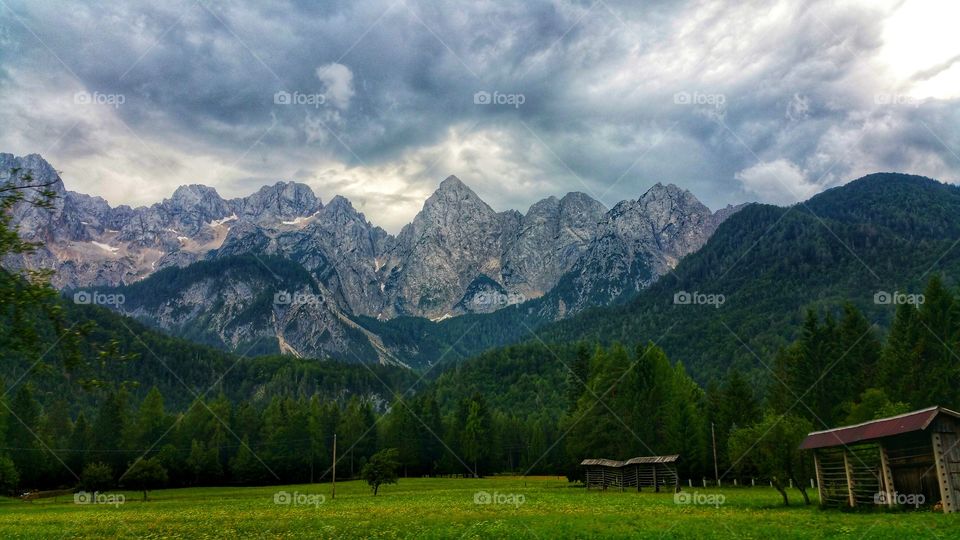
(875, 429)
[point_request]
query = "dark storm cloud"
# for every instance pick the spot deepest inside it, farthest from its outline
(728, 99)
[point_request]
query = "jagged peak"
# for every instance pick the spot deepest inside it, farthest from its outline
(453, 186)
(193, 190)
(341, 205)
(659, 189)
(452, 182)
(40, 168)
(281, 186)
(543, 205)
(453, 190)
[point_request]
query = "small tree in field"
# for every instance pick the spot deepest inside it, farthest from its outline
(381, 469)
(772, 446)
(96, 477)
(145, 475)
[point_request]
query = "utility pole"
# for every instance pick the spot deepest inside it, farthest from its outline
(716, 471)
(333, 495)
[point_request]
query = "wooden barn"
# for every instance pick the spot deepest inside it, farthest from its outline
(909, 459)
(638, 472)
(602, 473)
(652, 471)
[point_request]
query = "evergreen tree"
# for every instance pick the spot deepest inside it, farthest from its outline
(474, 440)
(108, 429)
(151, 424)
(27, 451)
(899, 370)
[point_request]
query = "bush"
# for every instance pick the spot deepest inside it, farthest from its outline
(96, 477)
(144, 475)
(9, 477)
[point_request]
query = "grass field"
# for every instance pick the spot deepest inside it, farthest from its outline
(509, 507)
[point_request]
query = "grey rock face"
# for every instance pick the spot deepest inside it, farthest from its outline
(553, 235)
(283, 201)
(457, 256)
(88, 243)
(635, 243)
(453, 239)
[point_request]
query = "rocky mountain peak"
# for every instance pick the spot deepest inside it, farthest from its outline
(35, 165)
(194, 194)
(452, 192)
(279, 202)
(340, 203)
(453, 183)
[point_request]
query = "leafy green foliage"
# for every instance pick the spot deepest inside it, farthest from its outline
(772, 447)
(96, 477)
(381, 469)
(145, 475)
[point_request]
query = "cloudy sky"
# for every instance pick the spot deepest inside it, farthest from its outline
(380, 100)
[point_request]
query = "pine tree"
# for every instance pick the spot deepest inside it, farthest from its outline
(27, 450)
(476, 431)
(108, 429)
(898, 373)
(939, 380)
(151, 423)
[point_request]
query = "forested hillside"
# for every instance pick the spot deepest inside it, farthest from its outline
(883, 233)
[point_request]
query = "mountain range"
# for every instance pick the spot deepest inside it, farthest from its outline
(279, 271)
(871, 238)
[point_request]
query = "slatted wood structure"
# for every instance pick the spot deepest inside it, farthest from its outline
(881, 461)
(653, 472)
(639, 472)
(603, 473)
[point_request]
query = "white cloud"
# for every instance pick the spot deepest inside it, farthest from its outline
(338, 80)
(780, 182)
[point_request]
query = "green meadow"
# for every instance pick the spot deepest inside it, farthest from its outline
(501, 507)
